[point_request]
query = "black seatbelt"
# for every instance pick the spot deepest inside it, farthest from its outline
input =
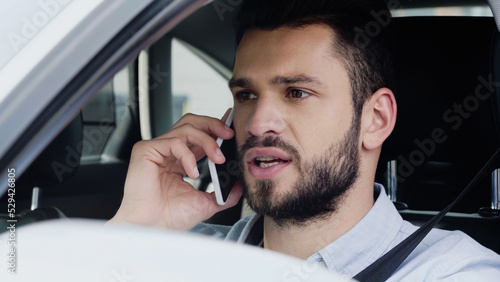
(385, 266)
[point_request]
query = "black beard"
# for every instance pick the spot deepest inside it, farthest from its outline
(320, 187)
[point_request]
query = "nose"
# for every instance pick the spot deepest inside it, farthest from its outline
(266, 118)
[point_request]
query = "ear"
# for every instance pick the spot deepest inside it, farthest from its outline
(378, 119)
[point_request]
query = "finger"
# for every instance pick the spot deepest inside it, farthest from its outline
(210, 125)
(198, 152)
(179, 148)
(187, 159)
(193, 136)
(162, 150)
(226, 115)
(233, 199)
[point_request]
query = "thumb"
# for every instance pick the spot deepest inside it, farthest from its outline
(233, 198)
(213, 207)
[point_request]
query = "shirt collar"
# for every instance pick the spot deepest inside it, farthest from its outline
(366, 241)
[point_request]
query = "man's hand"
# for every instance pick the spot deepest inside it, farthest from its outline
(155, 192)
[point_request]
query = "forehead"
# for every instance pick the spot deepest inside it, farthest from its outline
(287, 50)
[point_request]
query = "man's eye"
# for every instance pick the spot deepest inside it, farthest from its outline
(298, 94)
(245, 96)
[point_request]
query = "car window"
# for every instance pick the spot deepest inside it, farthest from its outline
(102, 114)
(196, 86)
(65, 55)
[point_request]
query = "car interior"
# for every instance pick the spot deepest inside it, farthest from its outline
(446, 61)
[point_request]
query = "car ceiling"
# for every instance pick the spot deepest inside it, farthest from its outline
(437, 3)
(212, 32)
(209, 32)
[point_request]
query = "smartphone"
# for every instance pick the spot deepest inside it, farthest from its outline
(224, 175)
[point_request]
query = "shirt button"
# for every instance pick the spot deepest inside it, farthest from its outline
(345, 276)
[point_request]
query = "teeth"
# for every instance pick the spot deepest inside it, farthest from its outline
(265, 159)
(265, 162)
(265, 165)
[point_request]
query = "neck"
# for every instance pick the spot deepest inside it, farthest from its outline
(304, 240)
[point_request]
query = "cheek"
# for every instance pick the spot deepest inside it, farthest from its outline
(319, 130)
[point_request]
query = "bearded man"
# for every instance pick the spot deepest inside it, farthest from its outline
(312, 107)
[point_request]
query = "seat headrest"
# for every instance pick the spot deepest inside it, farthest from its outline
(442, 67)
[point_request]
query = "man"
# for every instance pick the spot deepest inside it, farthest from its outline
(312, 108)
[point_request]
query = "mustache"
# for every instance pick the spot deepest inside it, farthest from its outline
(269, 141)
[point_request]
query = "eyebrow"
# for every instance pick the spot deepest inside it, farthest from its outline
(278, 80)
(239, 82)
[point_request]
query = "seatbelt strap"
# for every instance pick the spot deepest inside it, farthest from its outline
(385, 266)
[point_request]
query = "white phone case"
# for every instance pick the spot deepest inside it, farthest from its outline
(213, 170)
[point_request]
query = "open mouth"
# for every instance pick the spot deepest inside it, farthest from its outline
(265, 162)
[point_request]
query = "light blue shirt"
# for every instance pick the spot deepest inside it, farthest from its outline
(442, 255)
